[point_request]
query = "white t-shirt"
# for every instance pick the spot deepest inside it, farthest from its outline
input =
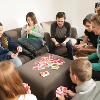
(27, 97)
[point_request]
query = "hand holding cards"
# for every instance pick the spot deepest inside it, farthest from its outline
(61, 91)
(27, 88)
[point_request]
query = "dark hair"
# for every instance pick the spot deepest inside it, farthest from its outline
(85, 21)
(32, 16)
(60, 15)
(97, 4)
(82, 69)
(1, 24)
(88, 18)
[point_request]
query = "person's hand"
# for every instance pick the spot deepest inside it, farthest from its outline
(27, 88)
(63, 44)
(14, 55)
(19, 49)
(29, 29)
(70, 93)
(57, 44)
(78, 46)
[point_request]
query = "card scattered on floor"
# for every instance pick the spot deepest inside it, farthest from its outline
(44, 74)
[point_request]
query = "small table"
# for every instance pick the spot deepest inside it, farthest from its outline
(44, 87)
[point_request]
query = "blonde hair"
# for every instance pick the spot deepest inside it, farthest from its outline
(10, 81)
(82, 69)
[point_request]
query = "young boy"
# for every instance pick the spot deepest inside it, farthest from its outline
(87, 88)
(5, 53)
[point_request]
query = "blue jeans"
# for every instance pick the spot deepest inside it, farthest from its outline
(16, 60)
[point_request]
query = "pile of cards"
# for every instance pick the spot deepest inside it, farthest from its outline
(48, 61)
(61, 91)
(44, 74)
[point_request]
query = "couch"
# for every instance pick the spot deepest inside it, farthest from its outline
(16, 33)
(61, 51)
(25, 56)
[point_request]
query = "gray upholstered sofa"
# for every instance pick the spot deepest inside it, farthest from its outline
(24, 56)
(62, 51)
(16, 33)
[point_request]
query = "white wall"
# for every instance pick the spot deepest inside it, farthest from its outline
(13, 12)
(76, 10)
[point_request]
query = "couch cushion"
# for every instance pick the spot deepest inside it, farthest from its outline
(46, 26)
(14, 33)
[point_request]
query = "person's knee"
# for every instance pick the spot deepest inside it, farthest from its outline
(16, 61)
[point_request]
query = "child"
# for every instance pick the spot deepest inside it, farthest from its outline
(87, 88)
(11, 85)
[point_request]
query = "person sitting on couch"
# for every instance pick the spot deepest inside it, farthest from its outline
(60, 31)
(7, 45)
(11, 84)
(32, 31)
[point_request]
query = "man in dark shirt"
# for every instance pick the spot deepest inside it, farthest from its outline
(60, 30)
(90, 37)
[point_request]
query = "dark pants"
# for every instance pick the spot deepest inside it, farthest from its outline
(51, 46)
(70, 50)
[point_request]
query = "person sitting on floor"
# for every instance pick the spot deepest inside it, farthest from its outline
(7, 45)
(81, 75)
(11, 85)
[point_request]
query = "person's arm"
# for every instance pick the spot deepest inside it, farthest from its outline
(5, 57)
(67, 94)
(96, 66)
(88, 49)
(92, 56)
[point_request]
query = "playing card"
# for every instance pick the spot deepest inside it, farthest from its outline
(44, 74)
(27, 88)
(56, 67)
(60, 91)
